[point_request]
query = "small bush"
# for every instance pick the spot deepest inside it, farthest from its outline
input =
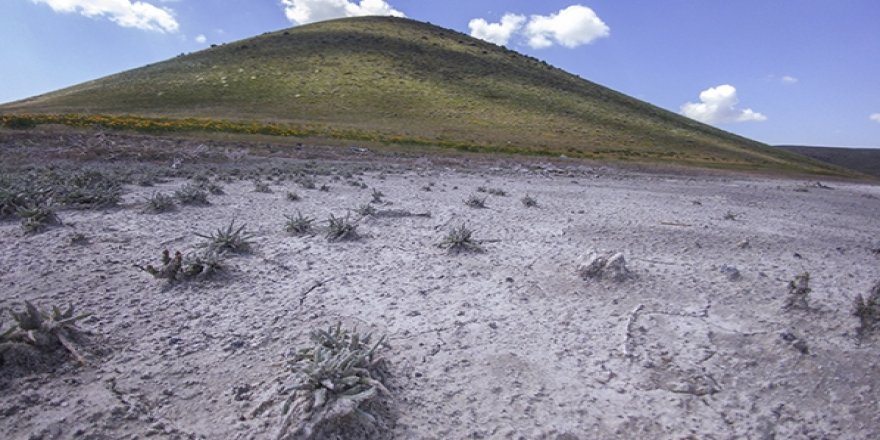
(47, 330)
(38, 218)
(339, 376)
(158, 203)
(261, 187)
(174, 269)
(365, 210)
(191, 194)
(307, 182)
(460, 239)
(868, 311)
(341, 229)
(324, 188)
(377, 196)
(529, 201)
(299, 225)
(227, 240)
(293, 197)
(88, 190)
(474, 201)
(798, 292)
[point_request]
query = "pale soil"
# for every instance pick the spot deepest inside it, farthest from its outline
(509, 343)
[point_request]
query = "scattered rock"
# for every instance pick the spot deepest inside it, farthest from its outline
(608, 265)
(731, 272)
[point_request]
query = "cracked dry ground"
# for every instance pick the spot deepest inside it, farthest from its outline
(509, 343)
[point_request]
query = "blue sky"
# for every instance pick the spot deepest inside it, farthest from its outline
(779, 71)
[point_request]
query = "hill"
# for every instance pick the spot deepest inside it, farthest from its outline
(400, 81)
(863, 160)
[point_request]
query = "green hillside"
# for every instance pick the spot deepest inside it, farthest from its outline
(402, 81)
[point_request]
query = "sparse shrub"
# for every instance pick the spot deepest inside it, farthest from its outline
(529, 201)
(460, 239)
(341, 229)
(339, 376)
(77, 239)
(19, 122)
(365, 210)
(158, 203)
(868, 311)
(475, 202)
(88, 190)
(377, 196)
(37, 218)
(299, 225)
(11, 201)
(176, 268)
(227, 240)
(191, 194)
(261, 187)
(293, 197)
(798, 292)
(213, 188)
(46, 330)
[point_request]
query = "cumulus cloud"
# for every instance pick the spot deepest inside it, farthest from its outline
(201, 39)
(571, 27)
(125, 13)
(875, 117)
(498, 33)
(718, 105)
(787, 79)
(310, 11)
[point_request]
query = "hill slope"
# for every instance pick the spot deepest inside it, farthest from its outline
(389, 78)
(863, 160)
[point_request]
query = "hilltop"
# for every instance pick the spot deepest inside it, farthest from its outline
(400, 81)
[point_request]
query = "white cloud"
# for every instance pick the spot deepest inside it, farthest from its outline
(875, 117)
(571, 27)
(310, 11)
(718, 105)
(201, 39)
(787, 79)
(498, 33)
(125, 13)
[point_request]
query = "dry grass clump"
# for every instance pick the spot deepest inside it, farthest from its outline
(868, 311)
(261, 187)
(529, 201)
(460, 239)
(365, 210)
(377, 196)
(88, 190)
(293, 196)
(336, 380)
(191, 194)
(798, 292)
(47, 330)
(341, 229)
(159, 203)
(178, 268)
(230, 239)
(36, 219)
(299, 225)
(475, 201)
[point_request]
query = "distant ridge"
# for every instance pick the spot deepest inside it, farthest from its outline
(401, 81)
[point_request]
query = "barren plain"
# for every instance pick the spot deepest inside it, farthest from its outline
(509, 343)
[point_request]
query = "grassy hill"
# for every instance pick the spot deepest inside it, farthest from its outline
(863, 160)
(401, 81)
